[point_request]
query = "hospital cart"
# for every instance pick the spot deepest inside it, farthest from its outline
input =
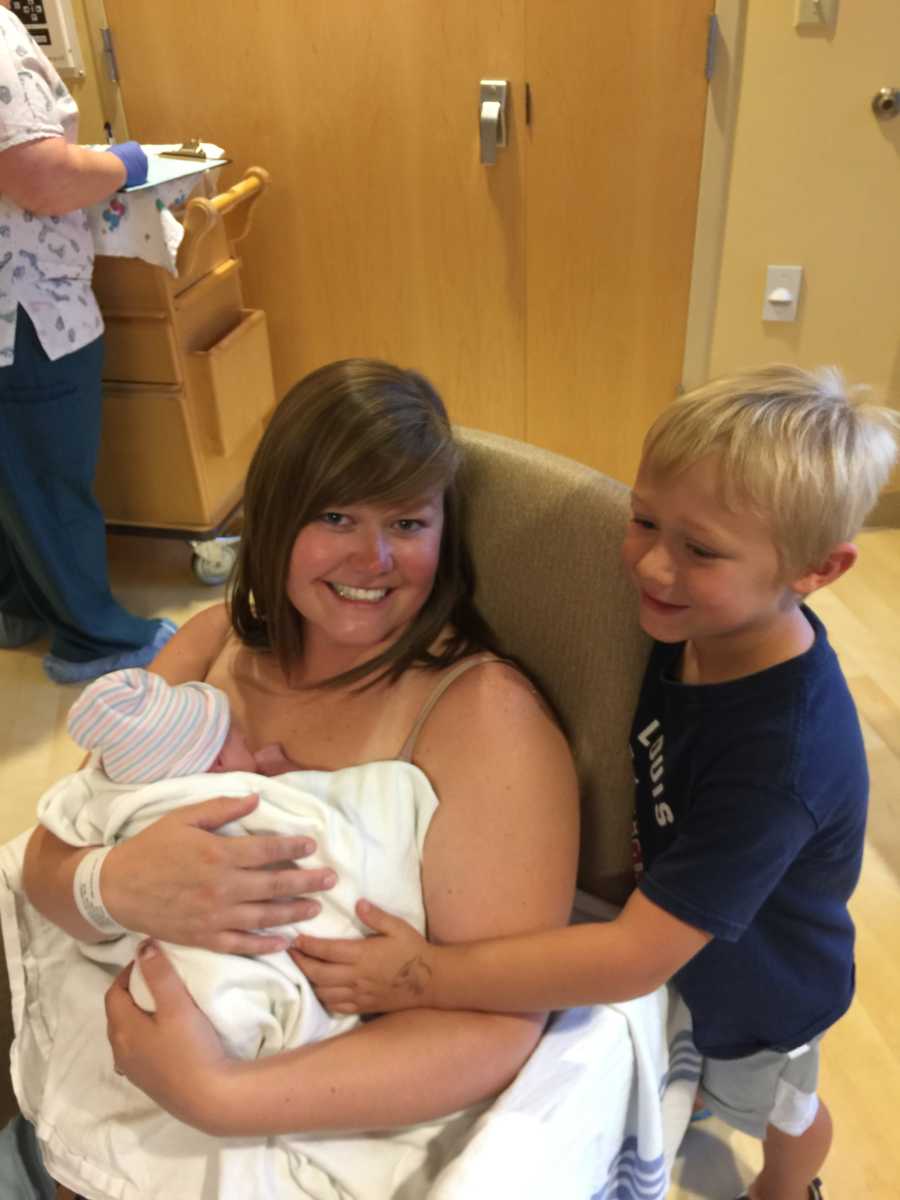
(187, 383)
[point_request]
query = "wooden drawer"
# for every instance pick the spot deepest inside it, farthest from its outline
(129, 284)
(148, 472)
(135, 285)
(140, 347)
(230, 385)
(210, 308)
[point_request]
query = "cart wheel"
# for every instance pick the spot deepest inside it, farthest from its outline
(212, 561)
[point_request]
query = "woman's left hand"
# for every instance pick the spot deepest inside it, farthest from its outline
(371, 974)
(173, 1054)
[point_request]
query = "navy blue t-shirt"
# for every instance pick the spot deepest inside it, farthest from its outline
(751, 809)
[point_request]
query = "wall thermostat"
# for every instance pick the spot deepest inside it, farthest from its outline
(52, 25)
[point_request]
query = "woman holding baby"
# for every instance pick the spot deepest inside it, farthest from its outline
(350, 637)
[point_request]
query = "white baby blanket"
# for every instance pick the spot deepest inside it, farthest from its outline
(369, 823)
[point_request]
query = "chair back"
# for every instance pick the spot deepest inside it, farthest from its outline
(545, 534)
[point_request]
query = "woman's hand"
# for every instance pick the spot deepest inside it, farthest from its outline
(181, 882)
(372, 974)
(173, 1054)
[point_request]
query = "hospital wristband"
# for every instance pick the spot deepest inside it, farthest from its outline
(86, 890)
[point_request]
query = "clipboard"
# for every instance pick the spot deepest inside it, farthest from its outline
(166, 168)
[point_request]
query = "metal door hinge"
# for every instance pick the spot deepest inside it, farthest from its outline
(109, 55)
(712, 44)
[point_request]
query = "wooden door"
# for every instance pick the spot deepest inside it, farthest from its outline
(382, 234)
(618, 95)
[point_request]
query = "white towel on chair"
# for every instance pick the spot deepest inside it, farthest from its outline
(597, 1112)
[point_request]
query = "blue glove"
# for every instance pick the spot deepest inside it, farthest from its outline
(135, 160)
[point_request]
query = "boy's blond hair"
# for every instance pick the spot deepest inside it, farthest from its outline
(798, 446)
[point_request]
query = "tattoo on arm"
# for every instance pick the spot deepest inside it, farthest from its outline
(413, 976)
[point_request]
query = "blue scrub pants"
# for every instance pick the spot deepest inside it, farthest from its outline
(52, 537)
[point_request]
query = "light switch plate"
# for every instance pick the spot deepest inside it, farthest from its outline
(815, 14)
(785, 280)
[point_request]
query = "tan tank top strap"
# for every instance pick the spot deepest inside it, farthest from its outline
(406, 750)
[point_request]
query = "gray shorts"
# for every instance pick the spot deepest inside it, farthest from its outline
(774, 1087)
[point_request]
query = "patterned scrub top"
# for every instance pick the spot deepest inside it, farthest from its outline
(46, 263)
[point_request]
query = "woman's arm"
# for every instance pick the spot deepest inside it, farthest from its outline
(51, 177)
(500, 859)
(182, 882)
(399, 1070)
(179, 880)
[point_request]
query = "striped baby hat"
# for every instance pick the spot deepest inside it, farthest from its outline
(146, 729)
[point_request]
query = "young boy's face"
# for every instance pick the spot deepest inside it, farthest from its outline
(702, 572)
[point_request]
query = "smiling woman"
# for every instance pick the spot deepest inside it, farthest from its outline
(360, 576)
(353, 487)
(351, 639)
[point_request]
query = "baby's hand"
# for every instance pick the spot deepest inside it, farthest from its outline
(272, 760)
(372, 974)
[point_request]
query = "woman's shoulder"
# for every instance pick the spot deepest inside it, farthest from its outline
(196, 645)
(484, 675)
(489, 707)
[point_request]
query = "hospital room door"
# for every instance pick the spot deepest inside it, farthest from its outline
(546, 295)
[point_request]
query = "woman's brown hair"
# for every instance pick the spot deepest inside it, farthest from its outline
(356, 431)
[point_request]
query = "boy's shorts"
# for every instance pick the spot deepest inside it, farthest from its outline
(774, 1087)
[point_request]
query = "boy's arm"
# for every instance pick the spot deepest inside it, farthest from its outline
(561, 968)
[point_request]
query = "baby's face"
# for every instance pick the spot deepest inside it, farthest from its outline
(235, 754)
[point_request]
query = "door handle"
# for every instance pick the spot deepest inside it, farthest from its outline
(492, 119)
(886, 103)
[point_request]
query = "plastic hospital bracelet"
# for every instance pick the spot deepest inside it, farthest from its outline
(86, 889)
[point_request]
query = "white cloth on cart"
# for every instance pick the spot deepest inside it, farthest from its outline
(139, 224)
(369, 824)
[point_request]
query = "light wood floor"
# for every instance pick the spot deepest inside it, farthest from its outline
(861, 1076)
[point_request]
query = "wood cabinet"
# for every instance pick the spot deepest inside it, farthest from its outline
(187, 375)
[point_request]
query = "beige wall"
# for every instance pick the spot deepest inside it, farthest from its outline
(815, 180)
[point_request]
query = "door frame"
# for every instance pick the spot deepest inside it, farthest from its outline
(109, 90)
(712, 201)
